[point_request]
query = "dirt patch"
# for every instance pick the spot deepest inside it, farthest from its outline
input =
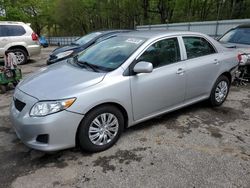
(15, 164)
(122, 156)
(143, 139)
(5, 129)
(5, 120)
(245, 103)
(39, 65)
(174, 125)
(4, 107)
(218, 116)
(214, 131)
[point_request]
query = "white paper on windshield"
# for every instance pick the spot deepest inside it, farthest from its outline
(134, 40)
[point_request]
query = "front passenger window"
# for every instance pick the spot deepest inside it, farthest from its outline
(162, 53)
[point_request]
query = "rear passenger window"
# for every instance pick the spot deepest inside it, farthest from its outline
(11, 30)
(197, 47)
(16, 30)
(162, 53)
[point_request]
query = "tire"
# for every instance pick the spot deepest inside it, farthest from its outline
(86, 138)
(21, 56)
(220, 91)
(3, 89)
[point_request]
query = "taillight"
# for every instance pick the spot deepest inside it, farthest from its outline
(34, 36)
(239, 57)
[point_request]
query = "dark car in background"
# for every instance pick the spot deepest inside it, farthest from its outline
(80, 44)
(239, 38)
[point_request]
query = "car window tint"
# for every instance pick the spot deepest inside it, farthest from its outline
(15, 30)
(87, 38)
(162, 53)
(239, 36)
(197, 46)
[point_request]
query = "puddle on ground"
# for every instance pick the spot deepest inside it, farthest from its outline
(121, 156)
(214, 132)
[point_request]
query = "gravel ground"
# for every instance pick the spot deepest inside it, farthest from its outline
(197, 146)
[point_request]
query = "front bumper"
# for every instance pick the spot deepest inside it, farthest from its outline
(60, 127)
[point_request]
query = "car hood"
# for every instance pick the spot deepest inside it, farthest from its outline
(65, 48)
(59, 81)
(234, 45)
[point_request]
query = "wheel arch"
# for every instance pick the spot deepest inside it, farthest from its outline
(228, 75)
(19, 47)
(117, 105)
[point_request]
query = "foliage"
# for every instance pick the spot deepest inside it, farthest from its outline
(77, 17)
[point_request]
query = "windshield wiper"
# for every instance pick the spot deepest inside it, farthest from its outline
(86, 64)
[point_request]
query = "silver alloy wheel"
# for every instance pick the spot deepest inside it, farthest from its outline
(221, 91)
(103, 129)
(20, 57)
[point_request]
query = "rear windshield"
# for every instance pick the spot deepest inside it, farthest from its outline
(87, 38)
(239, 36)
(111, 53)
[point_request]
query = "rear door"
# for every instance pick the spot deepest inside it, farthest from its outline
(202, 66)
(164, 87)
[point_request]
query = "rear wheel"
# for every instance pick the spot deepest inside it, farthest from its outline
(220, 91)
(100, 129)
(21, 56)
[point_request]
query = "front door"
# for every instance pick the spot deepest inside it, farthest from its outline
(165, 86)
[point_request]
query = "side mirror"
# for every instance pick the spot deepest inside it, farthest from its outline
(143, 67)
(217, 38)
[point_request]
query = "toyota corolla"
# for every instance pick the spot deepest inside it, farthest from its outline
(90, 99)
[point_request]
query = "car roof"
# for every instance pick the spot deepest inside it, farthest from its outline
(112, 31)
(246, 25)
(11, 22)
(157, 33)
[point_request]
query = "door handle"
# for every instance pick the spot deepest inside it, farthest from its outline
(180, 71)
(216, 62)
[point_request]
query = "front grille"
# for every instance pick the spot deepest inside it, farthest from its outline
(43, 138)
(19, 104)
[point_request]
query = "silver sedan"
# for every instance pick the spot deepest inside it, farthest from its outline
(90, 99)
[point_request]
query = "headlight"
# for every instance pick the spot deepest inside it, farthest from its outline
(64, 54)
(49, 107)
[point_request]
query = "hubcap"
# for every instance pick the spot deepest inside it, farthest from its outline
(221, 91)
(19, 57)
(103, 129)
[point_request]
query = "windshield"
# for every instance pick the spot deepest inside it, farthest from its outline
(111, 53)
(239, 36)
(87, 38)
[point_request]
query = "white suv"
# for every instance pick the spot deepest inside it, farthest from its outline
(20, 38)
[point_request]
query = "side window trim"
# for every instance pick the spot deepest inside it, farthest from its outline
(153, 42)
(197, 36)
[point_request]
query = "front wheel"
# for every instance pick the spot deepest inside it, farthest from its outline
(220, 91)
(100, 129)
